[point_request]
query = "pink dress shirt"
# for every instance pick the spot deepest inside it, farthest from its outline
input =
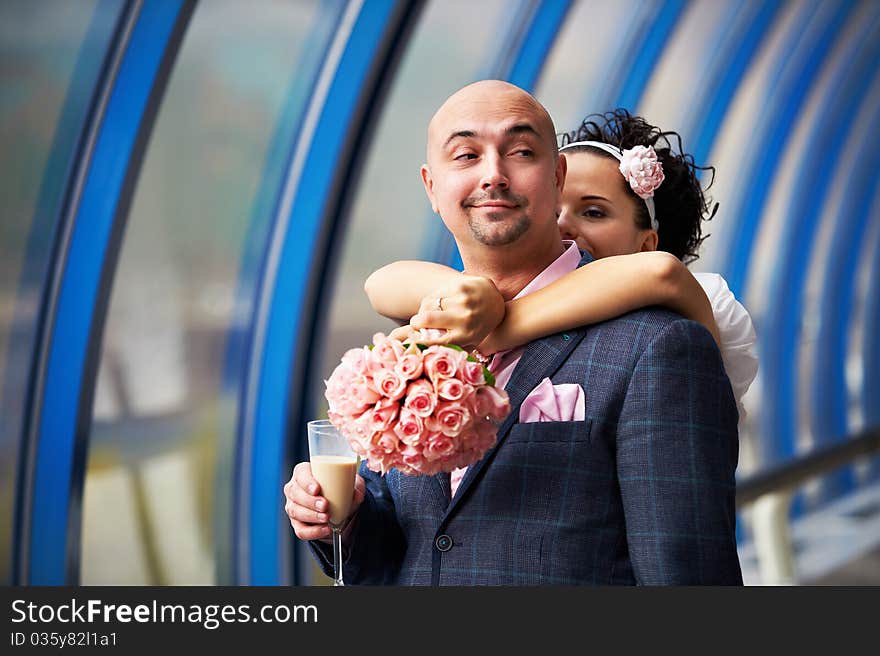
(504, 362)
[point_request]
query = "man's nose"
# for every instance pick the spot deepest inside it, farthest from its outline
(564, 224)
(494, 174)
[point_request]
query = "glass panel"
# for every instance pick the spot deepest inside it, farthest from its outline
(49, 62)
(390, 215)
(576, 79)
(159, 481)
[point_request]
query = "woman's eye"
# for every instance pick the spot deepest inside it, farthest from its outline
(593, 213)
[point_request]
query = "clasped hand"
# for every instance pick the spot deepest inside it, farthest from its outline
(472, 307)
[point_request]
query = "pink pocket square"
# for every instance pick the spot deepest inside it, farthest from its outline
(549, 402)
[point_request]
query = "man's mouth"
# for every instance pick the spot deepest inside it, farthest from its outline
(495, 204)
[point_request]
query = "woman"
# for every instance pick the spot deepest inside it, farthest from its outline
(637, 207)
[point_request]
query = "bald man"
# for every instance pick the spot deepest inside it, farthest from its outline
(635, 487)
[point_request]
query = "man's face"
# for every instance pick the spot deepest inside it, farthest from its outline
(493, 173)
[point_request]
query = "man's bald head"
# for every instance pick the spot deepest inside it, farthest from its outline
(495, 177)
(488, 98)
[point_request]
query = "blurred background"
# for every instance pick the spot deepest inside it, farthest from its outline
(193, 193)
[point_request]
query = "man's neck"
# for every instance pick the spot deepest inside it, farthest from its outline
(511, 269)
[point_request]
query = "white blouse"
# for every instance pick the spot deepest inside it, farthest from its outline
(738, 340)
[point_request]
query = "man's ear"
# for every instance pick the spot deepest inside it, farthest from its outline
(649, 241)
(428, 183)
(561, 170)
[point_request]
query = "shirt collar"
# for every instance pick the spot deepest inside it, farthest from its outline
(565, 263)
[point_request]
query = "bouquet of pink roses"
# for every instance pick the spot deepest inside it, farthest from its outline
(420, 409)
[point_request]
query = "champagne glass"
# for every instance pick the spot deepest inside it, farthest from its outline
(334, 466)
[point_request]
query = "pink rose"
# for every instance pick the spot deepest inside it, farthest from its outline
(388, 350)
(409, 427)
(382, 415)
(363, 390)
(421, 398)
(357, 428)
(472, 373)
(450, 418)
(339, 383)
(439, 446)
(412, 456)
(387, 442)
(440, 362)
(452, 389)
(356, 359)
(409, 366)
(389, 383)
(492, 402)
(641, 168)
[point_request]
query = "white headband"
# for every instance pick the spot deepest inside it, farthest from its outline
(616, 152)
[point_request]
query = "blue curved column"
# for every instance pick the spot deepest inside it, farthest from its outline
(646, 51)
(28, 335)
(137, 75)
(745, 34)
(829, 391)
(322, 168)
(545, 25)
(779, 344)
(256, 246)
(818, 28)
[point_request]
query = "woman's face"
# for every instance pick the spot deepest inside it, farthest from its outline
(597, 212)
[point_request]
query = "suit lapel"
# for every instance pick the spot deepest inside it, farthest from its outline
(540, 359)
(444, 487)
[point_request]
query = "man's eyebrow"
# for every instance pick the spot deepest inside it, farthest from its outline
(521, 128)
(460, 134)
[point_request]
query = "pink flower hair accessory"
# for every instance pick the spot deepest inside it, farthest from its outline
(641, 168)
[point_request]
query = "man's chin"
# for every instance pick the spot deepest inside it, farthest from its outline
(499, 229)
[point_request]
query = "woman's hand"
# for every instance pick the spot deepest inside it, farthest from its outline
(468, 310)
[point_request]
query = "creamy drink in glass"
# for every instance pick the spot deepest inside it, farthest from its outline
(334, 466)
(336, 476)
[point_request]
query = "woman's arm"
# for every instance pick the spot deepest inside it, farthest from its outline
(602, 290)
(466, 307)
(397, 289)
(598, 291)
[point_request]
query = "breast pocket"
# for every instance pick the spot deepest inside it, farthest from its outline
(539, 465)
(551, 431)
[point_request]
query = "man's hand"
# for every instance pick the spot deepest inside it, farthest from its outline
(307, 510)
(468, 310)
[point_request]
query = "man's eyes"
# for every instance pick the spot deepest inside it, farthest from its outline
(524, 152)
(518, 152)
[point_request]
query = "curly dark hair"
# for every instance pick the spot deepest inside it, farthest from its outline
(680, 203)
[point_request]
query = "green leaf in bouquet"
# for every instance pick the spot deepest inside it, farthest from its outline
(454, 347)
(421, 347)
(490, 379)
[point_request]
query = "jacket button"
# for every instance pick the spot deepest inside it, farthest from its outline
(443, 543)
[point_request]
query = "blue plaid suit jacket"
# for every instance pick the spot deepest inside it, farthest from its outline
(640, 492)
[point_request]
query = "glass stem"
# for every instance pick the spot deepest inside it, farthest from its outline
(337, 556)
